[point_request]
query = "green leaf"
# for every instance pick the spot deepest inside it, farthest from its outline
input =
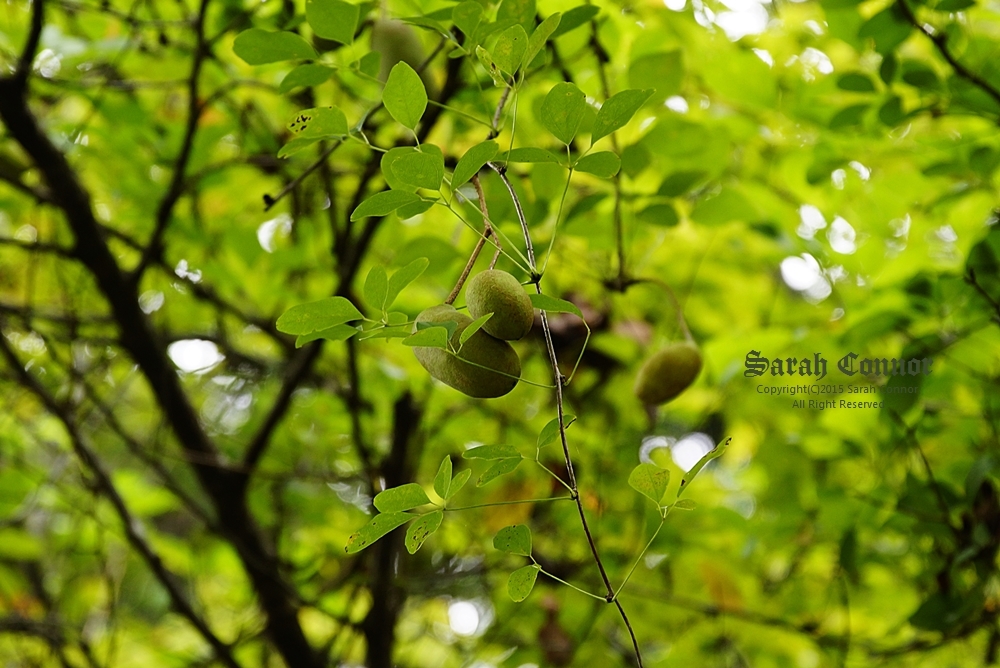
(550, 432)
(403, 277)
(702, 463)
(555, 305)
(685, 504)
(384, 203)
(529, 154)
(540, 36)
(319, 123)
(467, 16)
(370, 64)
(848, 116)
(856, 82)
(603, 163)
(379, 526)
(404, 497)
(888, 29)
(514, 539)
(521, 582)
(662, 215)
(517, 11)
(333, 19)
(501, 467)
(335, 333)
(419, 169)
(259, 47)
(562, 111)
(492, 452)
(458, 482)
(314, 316)
(473, 160)
(575, 18)
(510, 49)
(431, 337)
(376, 287)
(617, 111)
(404, 95)
(442, 481)
(419, 531)
(662, 72)
(415, 209)
(473, 327)
(649, 480)
(306, 75)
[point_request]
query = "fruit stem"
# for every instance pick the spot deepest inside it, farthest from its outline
(479, 245)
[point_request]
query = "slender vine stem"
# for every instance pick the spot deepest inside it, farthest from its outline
(559, 382)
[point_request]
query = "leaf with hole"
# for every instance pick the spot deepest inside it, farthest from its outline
(419, 531)
(317, 315)
(649, 480)
(404, 497)
(521, 582)
(404, 95)
(379, 526)
(514, 539)
(259, 47)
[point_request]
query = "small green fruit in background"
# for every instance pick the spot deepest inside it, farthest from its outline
(481, 348)
(668, 373)
(497, 292)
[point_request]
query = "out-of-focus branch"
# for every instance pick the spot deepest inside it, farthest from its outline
(134, 530)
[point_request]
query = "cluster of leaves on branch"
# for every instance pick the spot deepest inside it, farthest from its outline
(220, 221)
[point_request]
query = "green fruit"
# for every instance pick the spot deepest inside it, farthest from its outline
(497, 292)
(481, 348)
(668, 373)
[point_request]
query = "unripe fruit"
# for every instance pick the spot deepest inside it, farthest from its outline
(668, 373)
(497, 292)
(481, 348)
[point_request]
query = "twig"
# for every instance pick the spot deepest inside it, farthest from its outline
(479, 244)
(31, 46)
(154, 249)
(559, 380)
(940, 40)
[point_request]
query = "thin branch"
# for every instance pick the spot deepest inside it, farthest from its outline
(560, 380)
(154, 249)
(31, 46)
(940, 40)
(296, 371)
(134, 530)
(479, 244)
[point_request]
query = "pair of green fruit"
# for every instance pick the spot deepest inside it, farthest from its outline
(486, 366)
